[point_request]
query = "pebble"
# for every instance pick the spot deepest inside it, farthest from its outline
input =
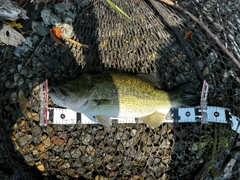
(75, 153)
(29, 159)
(26, 139)
(66, 11)
(46, 141)
(49, 18)
(40, 28)
(40, 166)
(32, 115)
(26, 46)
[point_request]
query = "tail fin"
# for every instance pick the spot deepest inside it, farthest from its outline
(187, 95)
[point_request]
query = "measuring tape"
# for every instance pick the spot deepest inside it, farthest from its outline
(202, 113)
(212, 114)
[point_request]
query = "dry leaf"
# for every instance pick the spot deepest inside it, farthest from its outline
(54, 37)
(13, 24)
(188, 35)
(57, 32)
(23, 101)
(10, 36)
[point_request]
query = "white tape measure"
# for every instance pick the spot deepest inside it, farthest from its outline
(212, 114)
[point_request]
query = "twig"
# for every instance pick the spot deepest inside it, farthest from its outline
(199, 22)
(75, 42)
(34, 51)
(90, 6)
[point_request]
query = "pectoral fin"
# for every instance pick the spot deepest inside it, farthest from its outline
(101, 101)
(153, 120)
(104, 120)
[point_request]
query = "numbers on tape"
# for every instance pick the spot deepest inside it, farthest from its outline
(175, 115)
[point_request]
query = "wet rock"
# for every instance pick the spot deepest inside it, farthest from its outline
(75, 153)
(39, 28)
(66, 155)
(40, 166)
(46, 141)
(26, 139)
(36, 132)
(29, 159)
(32, 115)
(90, 150)
(49, 18)
(27, 45)
(66, 11)
(49, 130)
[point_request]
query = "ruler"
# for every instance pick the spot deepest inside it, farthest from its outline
(212, 114)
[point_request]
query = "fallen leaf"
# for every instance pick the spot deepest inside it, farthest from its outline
(188, 35)
(13, 24)
(57, 32)
(54, 37)
(10, 36)
(23, 101)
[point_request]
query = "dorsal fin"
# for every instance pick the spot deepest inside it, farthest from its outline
(151, 78)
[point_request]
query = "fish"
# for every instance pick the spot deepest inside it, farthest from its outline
(119, 95)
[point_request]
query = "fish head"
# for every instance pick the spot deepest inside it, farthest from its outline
(72, 95)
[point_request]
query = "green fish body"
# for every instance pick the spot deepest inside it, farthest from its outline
(116, 95)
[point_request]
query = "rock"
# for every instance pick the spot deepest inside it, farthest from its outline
(35, 152)
(66, 11)
(39, 28)
(26, 139)
(44, 155)
(49, 18)
(75, 153)
(32, 116)
(46, 141)
(41, 148)
(26, 46)
(90, 150)
(50, 131)
(66, 155)
(65, 165)
(29, 159)
(40, 166)
(10, 10)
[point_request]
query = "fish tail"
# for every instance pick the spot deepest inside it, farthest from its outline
(186, 95)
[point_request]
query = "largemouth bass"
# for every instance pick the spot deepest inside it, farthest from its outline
(116, 95)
